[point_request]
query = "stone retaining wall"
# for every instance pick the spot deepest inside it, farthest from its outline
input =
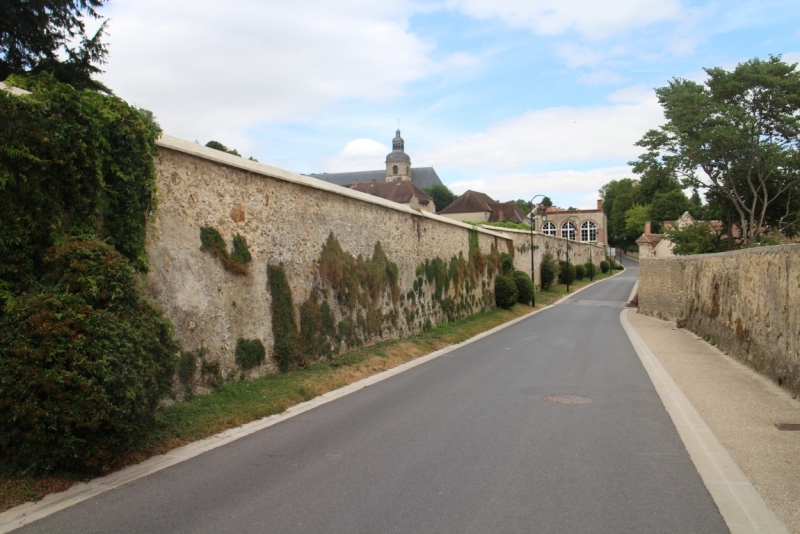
(747, 302)
(286, 219)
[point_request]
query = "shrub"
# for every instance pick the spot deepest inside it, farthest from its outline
(249, 353)
(237, 261)
(617, 265)
(605, 266)
(524, 287)
(548, 271)
(284, 326)
(566, 273)
(505, 292)
(83, 363)
(580, 272)
(507, 264)
(591, 269)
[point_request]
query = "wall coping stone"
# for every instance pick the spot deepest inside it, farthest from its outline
(223, 158)
(771, 249)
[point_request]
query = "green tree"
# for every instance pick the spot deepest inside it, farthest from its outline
(618, 197)
(442, 196)
(216, 145)
(736, 136)
(697, 238)
(546, 202)
(35, 37)
(669, 206)
(523, 205)
(635, 218)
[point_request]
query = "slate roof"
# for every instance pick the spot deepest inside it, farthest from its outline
(474, 201)
(401, 192)
(421, 177)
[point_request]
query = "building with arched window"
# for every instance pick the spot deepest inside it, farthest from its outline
(586, 226)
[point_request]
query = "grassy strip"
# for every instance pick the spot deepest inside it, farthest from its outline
(241, 402)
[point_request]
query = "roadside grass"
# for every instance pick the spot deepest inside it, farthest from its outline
(242, 402)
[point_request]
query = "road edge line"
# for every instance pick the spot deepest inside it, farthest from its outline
(739, 503)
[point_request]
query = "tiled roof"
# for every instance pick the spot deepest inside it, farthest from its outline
(401, 192)
(651, 239)
(421, 177)
(475, 202)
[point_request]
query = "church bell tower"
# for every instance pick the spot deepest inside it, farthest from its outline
(398, 164)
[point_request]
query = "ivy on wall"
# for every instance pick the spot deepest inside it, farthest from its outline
(237, 261)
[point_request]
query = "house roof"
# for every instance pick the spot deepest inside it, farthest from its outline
(651, 239)
(475, 202)
(421, 177)
(401, 191)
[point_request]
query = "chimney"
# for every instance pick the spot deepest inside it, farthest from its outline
(647, 228)
(600, 204)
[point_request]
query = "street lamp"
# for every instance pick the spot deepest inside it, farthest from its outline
(533, 270)
(568, 246)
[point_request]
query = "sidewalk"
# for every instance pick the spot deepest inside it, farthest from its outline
(739, 406)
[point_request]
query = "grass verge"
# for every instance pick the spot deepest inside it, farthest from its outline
(241, 402)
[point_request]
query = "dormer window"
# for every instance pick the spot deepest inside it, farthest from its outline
(394, 169)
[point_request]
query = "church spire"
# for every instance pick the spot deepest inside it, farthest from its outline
(398, 164)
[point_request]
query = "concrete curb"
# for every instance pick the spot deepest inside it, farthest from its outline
(27, 513)
(741, 506)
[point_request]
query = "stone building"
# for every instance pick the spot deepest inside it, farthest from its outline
(400, 191)
(588, 226)
(473, 206)
(398, 168)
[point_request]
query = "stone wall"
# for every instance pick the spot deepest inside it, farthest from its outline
(286, 219)
(747, 302)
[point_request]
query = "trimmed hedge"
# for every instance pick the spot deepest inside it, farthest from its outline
(591, 269)
(548, 271)
(605, 266)
(566, 273)
(84, 363)
(524, 287)
(580, 272)
(505, 292)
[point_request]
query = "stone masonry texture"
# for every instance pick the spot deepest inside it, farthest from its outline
(286, 219)
(747, 302)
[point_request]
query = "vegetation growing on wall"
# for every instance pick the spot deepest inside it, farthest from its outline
(237, 261)
(249, 353)
(284, 326)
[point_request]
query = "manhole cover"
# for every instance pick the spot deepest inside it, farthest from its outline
(568, 399)
(788, 426)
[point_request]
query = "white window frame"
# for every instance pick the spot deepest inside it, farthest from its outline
(549, 228)
(589, 232)
(569, 230)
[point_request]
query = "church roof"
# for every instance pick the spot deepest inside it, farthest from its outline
(401, 191)
(398, 154)
(421, 177)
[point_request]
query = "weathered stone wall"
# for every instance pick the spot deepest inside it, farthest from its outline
(557, 246)
(286, 219)
(747, 302)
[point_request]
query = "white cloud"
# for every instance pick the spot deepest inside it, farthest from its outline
(791, 57)
(602, 77)
(357, 155)
(561, 134)
(209, 68)
(597, 19)
(577, 188)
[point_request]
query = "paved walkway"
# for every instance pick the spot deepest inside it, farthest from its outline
(739, 406)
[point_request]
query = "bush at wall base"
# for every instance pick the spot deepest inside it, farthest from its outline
(505, 292)
(524, 287)
(580, 272)
(566, 273)
(83, 363)
(591, 269)
(605, 266)
(548, 271)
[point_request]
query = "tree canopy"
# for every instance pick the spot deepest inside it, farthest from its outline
(35, 37)
(736, 136)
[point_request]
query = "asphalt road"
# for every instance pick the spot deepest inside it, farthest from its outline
(464, 443)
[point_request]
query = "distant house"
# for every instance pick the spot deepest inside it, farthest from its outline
(588, 226)
(473, 206)
(402, 192)
(398, 168)
(657, 245)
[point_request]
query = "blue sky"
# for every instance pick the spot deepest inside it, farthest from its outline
(509, 97)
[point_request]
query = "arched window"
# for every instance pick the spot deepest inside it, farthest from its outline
(589, 232)
(549, 228)
(568, 230)
(394, 169)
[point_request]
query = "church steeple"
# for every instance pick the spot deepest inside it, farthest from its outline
(398, 164)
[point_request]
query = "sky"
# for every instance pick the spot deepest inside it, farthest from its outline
(513, 98)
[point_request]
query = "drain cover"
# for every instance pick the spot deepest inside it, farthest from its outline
(568, 399)
(788, 426)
